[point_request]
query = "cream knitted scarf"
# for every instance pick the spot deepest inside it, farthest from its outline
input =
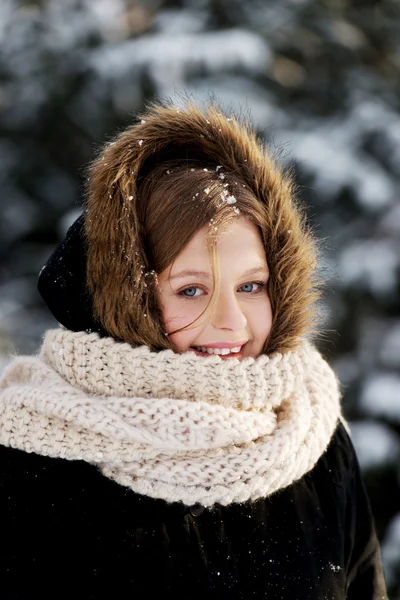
(174, 426)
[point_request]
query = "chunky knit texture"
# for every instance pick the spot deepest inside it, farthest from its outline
(174, 426)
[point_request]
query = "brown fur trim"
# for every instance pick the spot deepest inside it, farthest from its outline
(117, 266)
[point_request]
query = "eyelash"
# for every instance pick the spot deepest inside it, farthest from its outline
(261, 284)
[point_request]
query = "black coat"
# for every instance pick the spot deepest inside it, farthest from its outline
(67, 531)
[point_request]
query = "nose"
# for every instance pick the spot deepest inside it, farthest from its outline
(228, 313)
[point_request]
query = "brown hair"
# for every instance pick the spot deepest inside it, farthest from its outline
(161, 181)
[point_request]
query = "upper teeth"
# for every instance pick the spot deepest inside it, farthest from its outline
(218, 350)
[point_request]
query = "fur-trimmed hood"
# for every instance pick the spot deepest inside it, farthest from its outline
(97, 278)
(169, 131)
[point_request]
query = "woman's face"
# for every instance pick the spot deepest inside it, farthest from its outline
(242, 317)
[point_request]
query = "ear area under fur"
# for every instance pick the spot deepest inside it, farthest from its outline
(117, 267)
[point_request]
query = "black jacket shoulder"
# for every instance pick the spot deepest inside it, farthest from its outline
(63, 521)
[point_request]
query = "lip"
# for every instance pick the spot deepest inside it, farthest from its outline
(222, 344)
(237, 355)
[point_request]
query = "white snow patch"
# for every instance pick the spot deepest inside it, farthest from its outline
(168, 58)
(172, 22)
(381, 396)
(332, 150)
(335, 166)
(235, 92)
(370, 264)
(375, 443)
(390, 347)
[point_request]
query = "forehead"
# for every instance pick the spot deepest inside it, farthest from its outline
(239, 243)
(239, 229)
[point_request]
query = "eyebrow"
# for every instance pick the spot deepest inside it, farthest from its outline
(206, 275)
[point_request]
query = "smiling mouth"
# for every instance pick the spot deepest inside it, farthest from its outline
(223, 352)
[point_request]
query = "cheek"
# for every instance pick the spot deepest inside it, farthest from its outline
(260, 321)
(178, 314)
(183, 339)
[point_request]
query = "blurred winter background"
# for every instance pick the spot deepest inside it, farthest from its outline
(321, 79)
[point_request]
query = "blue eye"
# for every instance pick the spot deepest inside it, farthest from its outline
(190, 292)
(253, 288)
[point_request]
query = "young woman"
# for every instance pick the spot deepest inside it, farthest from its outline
(179, 435)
